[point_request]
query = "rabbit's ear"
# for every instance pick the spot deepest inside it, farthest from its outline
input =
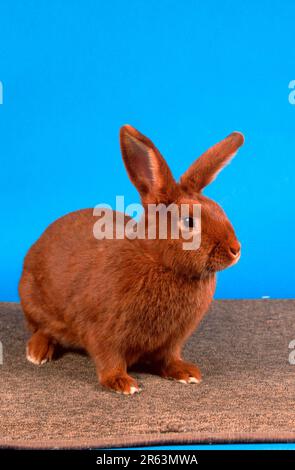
(146, 167)
(207, 166)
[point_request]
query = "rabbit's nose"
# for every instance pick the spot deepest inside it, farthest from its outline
(235, 248)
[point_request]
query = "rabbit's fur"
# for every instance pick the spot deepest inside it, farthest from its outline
(130, 301)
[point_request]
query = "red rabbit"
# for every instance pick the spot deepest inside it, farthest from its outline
(130, 301)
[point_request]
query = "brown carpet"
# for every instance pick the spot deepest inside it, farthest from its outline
(247, 393)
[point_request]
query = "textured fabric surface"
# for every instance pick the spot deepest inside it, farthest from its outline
(247, 393)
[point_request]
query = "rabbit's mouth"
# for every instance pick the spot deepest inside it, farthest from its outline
(235, 258)
(213, 253)
(221, 257)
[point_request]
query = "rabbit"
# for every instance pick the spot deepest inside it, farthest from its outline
(130, 301)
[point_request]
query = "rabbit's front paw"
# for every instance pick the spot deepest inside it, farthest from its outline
(183, 372)
(40, 349)
(121, 384)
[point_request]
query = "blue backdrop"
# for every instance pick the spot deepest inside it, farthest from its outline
(186, 73)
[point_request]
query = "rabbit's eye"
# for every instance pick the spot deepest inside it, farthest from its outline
(188, 222)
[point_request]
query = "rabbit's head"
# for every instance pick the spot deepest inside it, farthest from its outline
(218, 247)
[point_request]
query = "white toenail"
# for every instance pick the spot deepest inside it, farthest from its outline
(33, 360)
(193, 380)
(182, 381)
